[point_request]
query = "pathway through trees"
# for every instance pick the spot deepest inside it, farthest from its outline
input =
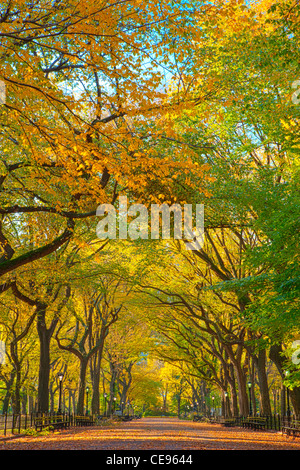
(156, 434)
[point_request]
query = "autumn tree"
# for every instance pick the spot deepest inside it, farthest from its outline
(93, 317)
(16, 325)
(127, 348)
(84, 84)
(102, 101)
(251, 236)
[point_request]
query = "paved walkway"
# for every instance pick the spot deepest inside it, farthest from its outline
(155, 434)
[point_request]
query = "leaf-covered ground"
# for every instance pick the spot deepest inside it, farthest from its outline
(155, 434)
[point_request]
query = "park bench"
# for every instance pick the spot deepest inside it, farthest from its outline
(116, 418)
(228, 422)
(84, 420)
(54, 422)
(291, 428)
(254, 422)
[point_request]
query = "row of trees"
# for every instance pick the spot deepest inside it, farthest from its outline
(163, 103)
(228, 308)
(85, 84)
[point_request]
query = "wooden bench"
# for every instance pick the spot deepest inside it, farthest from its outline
(291, 429)
(254, 422)
(84, 420)
(228, 422)
(55, 422)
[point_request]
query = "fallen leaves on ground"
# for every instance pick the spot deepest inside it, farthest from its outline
(155, 434)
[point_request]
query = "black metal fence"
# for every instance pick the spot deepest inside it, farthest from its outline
(14, 423)
(19, 423)
(273, 422)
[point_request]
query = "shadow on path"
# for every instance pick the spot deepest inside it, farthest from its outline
(156, 434)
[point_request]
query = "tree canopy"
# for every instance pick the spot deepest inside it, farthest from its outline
(162, 102)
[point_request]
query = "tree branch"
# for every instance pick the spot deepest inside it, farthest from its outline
(33, 255)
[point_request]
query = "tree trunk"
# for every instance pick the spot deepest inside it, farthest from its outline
(242, 390)
(124, 393)
(45, 335)
(260, 363)
(17, 370)
(178, 397)
(96, 373)
(8, 393)
(81, 386)
(228, 408)
(165, 397)
(235, 359)
(30, 404)
(234, 401)
(51, 396)
(44, 366)
(234, 409)
(112, 388)
(73, 401)
(17, 394)
(282, 401)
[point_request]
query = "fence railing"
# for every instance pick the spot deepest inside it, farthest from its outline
(273, 422)
(14, 423)
(19, 423)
